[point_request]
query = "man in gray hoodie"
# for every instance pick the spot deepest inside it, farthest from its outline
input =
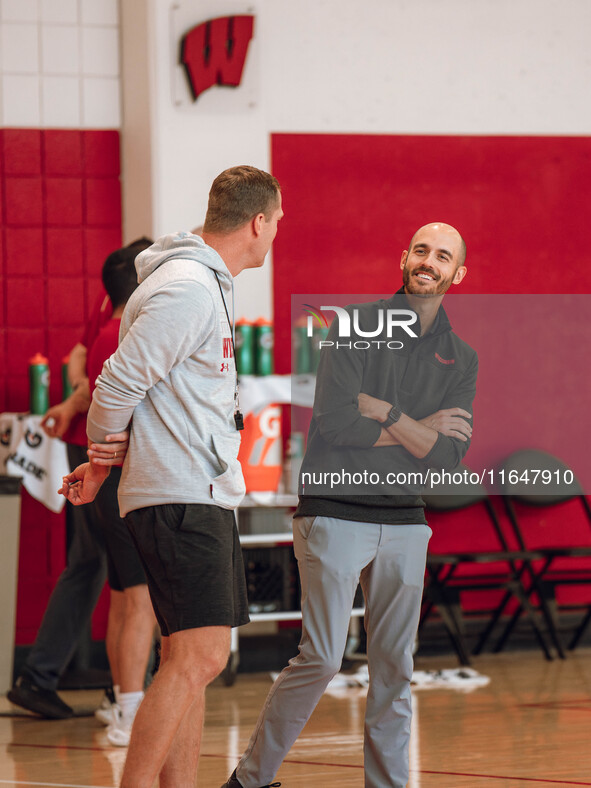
(174, 373)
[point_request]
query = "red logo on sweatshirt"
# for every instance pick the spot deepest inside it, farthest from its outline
(445, 360)
(214, 52)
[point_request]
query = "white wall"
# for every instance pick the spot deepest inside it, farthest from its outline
(59, 61)
(381, 66)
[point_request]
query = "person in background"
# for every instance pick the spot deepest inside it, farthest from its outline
(174, 373)
(131, 621)
(79, 586)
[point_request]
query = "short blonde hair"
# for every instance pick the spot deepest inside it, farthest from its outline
(239, 194)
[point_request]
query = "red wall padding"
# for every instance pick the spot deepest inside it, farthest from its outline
(352, 203)
(60, 215)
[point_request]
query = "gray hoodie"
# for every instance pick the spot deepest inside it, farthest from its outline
(174, 373)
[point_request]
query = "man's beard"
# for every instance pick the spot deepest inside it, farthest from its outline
(441, 285)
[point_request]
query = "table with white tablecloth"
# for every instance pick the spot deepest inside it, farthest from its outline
(40, 462)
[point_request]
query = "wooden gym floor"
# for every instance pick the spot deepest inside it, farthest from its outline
(531, 726)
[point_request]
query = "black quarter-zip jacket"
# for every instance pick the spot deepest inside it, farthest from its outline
(421, 375)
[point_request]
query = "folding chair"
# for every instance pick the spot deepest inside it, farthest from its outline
(540, 494)
(474, 556)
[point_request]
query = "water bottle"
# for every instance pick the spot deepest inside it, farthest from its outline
(244, 332)
(263, 343)
(38, 385)
(66, 385)
(302, 348)
(320, 335)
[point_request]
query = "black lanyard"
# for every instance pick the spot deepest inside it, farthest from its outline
(238, 417)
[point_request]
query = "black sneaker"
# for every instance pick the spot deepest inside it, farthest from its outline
(32, 697)
(232, 782)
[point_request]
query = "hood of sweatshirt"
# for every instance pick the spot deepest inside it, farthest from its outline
(181, 245)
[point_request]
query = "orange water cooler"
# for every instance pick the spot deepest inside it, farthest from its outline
(261, 450)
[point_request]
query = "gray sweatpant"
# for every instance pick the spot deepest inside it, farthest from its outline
(333, 557)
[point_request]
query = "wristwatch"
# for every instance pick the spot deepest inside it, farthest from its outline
(393, 416)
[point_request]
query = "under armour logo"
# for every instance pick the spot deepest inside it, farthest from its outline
(214, 52)
(225, 367)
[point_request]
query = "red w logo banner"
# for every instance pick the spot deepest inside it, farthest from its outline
(214, 52)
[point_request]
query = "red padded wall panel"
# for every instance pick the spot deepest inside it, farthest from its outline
(352, 203)
(25, 303)
(63, 202)
(48, 265)
(21, 344)
(17, 392)
(103, 201)
(65, 301)
(101, 153)
(98, 243)
(2, 353)
(63, 152)
(64, 252)
(22, 151)
(23, 201)
(24, 251)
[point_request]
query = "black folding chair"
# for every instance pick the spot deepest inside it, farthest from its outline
(537, 483)
(478, 561)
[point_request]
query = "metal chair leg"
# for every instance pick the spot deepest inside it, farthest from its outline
(578, 633)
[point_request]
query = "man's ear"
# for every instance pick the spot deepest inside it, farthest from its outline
(257, 224)
(459, 275)
(403, 259)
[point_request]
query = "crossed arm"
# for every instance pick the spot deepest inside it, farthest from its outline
(417, 437)
(83, 483)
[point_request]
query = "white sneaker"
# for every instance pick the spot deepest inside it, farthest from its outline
(119, 730)
(103, 713)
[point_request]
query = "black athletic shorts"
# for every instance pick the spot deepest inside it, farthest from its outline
(193, 562)
(124, 565)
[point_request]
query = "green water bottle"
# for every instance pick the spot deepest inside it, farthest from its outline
(263, 345)
(38, 385)
(244, 332)
(301, 348)
(66, 385)
(320, 335)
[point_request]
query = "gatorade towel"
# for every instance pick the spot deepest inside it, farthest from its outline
(260, 450)
(40, 460)
(12, 430)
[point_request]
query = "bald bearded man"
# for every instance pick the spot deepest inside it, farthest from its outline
(400, 406)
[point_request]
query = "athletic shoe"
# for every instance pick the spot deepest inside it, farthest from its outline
(232, 782)
(119, 730)
(103, 713)
(47, 703)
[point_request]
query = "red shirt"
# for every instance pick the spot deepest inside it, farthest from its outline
(101, 349)
(101, 312)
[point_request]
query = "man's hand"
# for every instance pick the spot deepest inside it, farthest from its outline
(373, 408)
(58, 418)
(82, 485)
(112, 452)
(451, 422)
